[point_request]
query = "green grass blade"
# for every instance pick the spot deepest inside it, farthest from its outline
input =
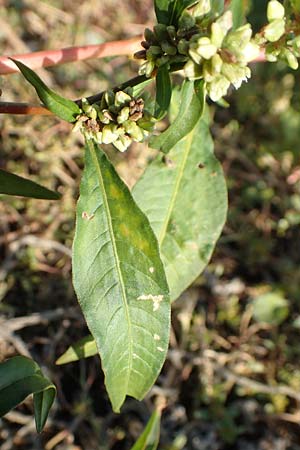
(120, 281)
(149, 439)
(84, 348)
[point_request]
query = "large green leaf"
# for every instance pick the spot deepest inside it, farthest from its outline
(62, 107)
(190, 110)
(150, 437)
(169, 11)
(185, 198)
(11, 184)
(120, 281)
(20, 377)
(163, 92)
(84, 348)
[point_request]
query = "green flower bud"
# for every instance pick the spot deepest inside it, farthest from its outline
(161, 32)
(109, 134)
(168, 48)
(217, 34)
(122, 143)
(275, 10)
(192, 71)
(133, 130)
(237, 40)
(218, 88)
(154, 50)
(193, 53)
(249, 52)
(236, 74)
(203, 7)
(123, 115)
(274, 30)
(291, 59)
(171, 32)
(186, 21)
(183, 46)
(149, 36)
(225, 22)
(98, 137)
(216, 64)
(105, 116)
(109, 97)
(121, 98)
(205, 48)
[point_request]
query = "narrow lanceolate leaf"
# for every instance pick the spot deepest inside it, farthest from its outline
(184, 196)
(62, 107)
(11, 184)
(163, 92)
(190, 111)
(169, 11)
(149, 439)
(20, 377)
(84, 348)
(238, 12)
(120, 281)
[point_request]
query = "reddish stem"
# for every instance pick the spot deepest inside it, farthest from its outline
(53, 57)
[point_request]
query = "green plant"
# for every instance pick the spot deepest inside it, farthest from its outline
(134, 252)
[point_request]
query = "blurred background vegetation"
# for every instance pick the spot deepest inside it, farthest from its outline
(232, 376)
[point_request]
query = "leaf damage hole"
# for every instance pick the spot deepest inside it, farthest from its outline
(151, 269)
(157, 299)
(86, 216)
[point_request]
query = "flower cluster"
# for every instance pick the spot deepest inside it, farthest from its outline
(279, 37)
(207, 46)
(119, 119)
(160, 48)
(220, 55)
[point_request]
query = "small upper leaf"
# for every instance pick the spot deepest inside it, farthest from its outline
(20, 377)
(11, 184)
(190, 111)
(62, 107)
(163, 92)
(169, 11)
(238, 13)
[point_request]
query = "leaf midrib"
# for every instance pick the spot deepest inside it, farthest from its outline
(163, 231)
(112, 235)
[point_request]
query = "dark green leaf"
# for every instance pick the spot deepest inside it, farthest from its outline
(238, 13)
(11, 184)
(190, 111)
(82, 349)
(168, 12)
(163, 92)
(184, 196)
(62, 107)
(120, 281)
(150, 437)
(20, 377)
